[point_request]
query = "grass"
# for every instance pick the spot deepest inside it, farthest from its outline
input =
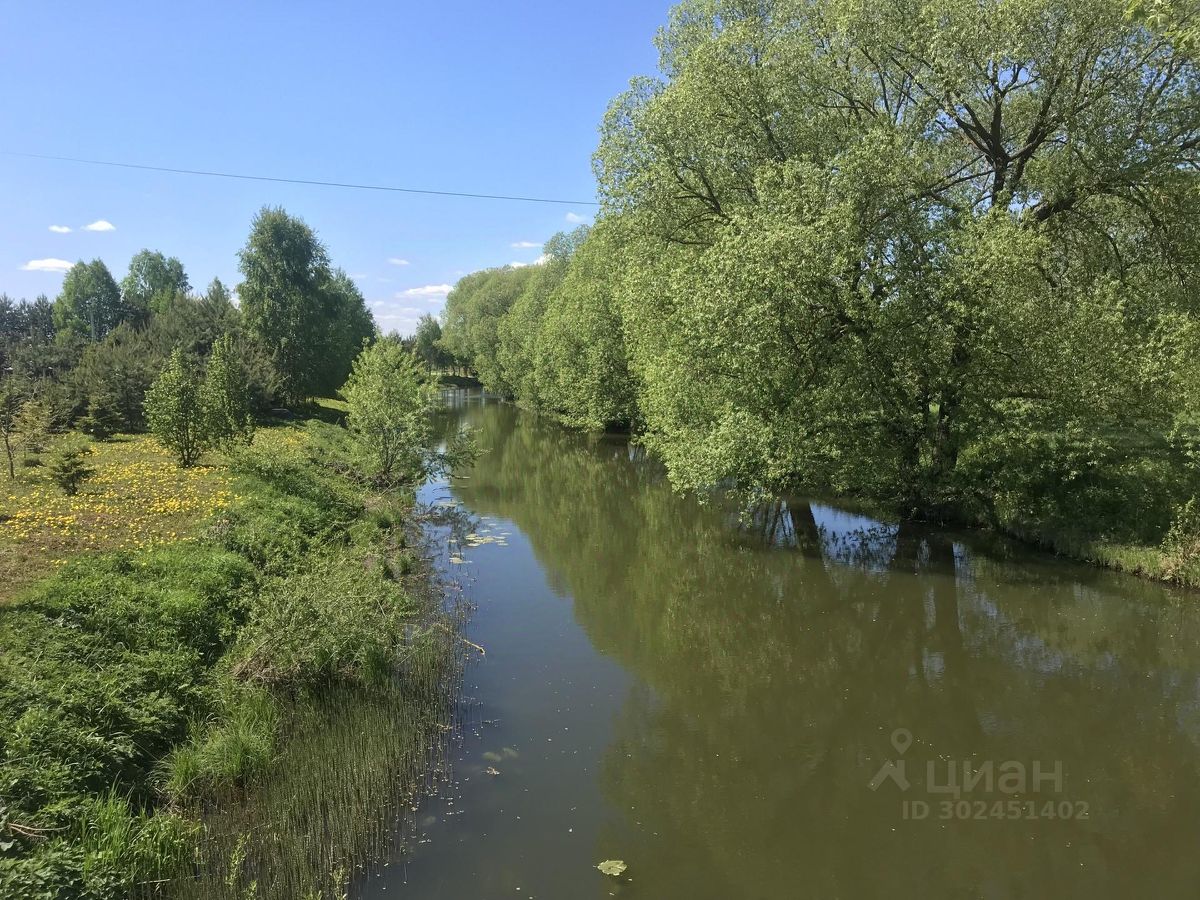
(1172, 563)
(138, 686)
(137, 499)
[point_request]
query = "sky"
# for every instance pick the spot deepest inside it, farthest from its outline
(478, 97)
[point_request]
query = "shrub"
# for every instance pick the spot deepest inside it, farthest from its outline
(225, 397)
(174, 411)
(68, 469)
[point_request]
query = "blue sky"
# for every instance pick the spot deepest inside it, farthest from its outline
(470, 96)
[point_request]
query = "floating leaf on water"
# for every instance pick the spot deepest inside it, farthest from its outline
(613, 867)
(491, 770)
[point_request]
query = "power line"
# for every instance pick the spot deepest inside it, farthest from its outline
(306, 181)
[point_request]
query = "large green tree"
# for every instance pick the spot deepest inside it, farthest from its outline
(309, 320)
(474, 310)
(154, 282)
(89, 303)
(427, 344)
(874, 246)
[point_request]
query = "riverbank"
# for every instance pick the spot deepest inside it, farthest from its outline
(148, 694)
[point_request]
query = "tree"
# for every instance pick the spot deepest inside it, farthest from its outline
(153, 283)
(224, 397)
(867, 241)
(519, 329)
(474, 310)
(285, 269)
(90, 302)
(114, 374)
(68, 469)
(102, 419)
(310, 320)
(389, 411)
(427, 342)
(581, 362)
(1179, 19)
(174, 411)
(350, 326)
(12, 398)
(35, 421)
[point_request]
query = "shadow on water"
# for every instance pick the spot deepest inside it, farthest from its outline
(769, 662)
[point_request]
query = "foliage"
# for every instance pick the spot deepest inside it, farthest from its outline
(1178, 19)
(936, 254)
(154, 283)
(310, 320)
(89, 303)
(174, 410)
(225, 397)
(68, 468)
(1181, 546)
(389, 407)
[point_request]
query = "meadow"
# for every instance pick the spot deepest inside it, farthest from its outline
(170, 633)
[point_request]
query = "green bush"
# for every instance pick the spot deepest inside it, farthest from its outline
(172, 672)
(338, 619)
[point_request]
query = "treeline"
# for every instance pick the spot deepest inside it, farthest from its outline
(937, 254)
(88, 358)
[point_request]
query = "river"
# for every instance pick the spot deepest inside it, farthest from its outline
(811, 703)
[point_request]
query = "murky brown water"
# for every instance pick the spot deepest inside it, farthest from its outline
(711, 703)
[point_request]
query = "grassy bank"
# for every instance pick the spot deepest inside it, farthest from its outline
(147, 693)
(1174, 562)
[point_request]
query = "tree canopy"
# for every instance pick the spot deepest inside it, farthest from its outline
(309, 319)
(89, 303)
(154, 282)
(940, 253)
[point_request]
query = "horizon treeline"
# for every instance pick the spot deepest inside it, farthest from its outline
(938, 254)
(92, 352)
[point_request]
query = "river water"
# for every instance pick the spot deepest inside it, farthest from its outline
(810, 703)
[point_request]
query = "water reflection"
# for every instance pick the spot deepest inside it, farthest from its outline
(776, 657)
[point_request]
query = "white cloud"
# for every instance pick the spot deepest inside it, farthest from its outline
(60, 229)
(100, 225)
(540, 261)
(575, 218)
(399, 319)
(524, 245)
(397, 261)
(47, 265)
(429, 291)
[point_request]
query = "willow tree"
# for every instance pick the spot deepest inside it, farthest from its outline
(875, 244)
(474, 310)
(519, 329)
(580, 362)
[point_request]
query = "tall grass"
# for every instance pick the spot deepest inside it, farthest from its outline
(227, 717)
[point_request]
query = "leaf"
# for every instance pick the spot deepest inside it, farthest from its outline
(613, 867)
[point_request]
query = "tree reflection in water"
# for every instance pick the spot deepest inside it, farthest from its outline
(776, 657)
